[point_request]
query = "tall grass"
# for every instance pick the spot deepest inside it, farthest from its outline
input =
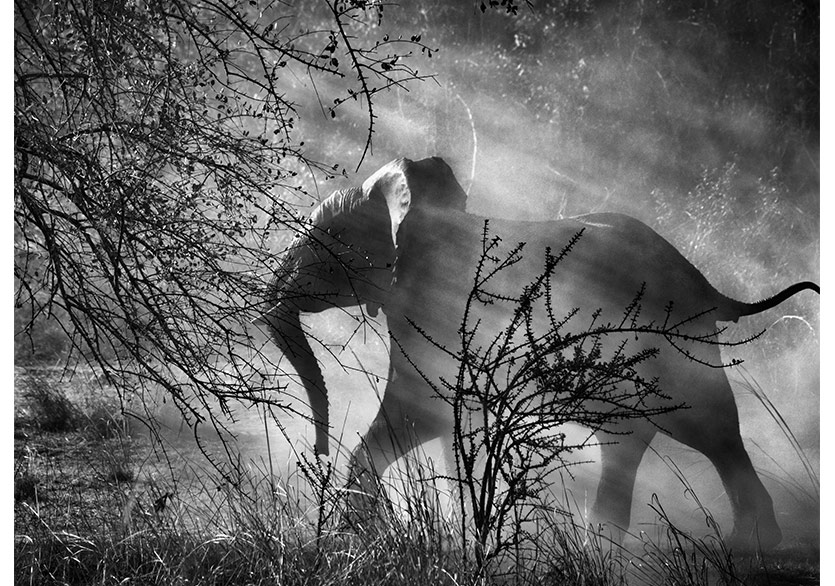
(252, 528)
(160, 522)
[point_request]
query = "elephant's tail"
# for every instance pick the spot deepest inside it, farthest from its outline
(737, 309)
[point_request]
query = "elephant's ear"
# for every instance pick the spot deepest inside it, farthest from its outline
(350, 252)
(406, 185)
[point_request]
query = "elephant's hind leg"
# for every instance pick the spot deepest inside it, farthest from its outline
(620, 457)
(755, 526)
(711, 426)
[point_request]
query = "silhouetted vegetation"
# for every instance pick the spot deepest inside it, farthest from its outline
(156, 159)
(166, 151)
(78, 522)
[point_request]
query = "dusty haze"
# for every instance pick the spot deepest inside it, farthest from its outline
(702, 124)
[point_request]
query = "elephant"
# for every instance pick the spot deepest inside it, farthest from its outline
(404, 243)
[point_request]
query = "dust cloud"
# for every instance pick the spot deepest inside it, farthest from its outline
(703, 124)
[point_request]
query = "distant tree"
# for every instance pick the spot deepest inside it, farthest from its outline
(156, 157)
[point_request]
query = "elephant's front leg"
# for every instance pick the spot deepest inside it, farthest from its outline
(405, 420)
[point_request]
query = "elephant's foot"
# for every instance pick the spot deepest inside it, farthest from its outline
(362, 500)
(360, 517)
(604, 534)
(760, 535)
(610, 521)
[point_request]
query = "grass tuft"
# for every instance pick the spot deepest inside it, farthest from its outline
(47, 406)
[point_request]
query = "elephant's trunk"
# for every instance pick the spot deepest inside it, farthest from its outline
(286, 329)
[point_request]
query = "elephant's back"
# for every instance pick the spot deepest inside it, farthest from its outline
(614, 258)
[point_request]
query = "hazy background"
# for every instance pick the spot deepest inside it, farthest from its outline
(700, 118)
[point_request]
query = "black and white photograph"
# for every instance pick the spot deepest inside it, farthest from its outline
(430, 292)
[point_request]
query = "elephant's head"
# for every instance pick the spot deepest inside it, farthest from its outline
(347, 255)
